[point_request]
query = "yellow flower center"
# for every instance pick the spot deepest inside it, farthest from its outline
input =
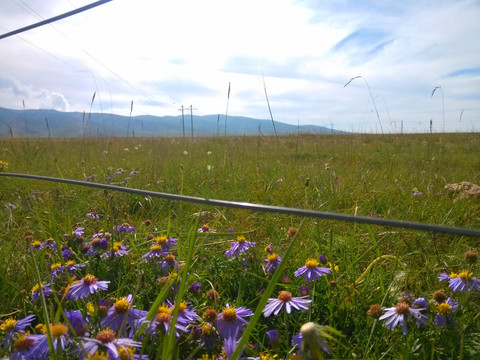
(155, 248)
(126, 353)
(121, 306)
(284, 296)
(207, 329)
(106, 336)
(97, 355)
(272, 257)
(241, 239)
(22, 342)
(311, 263)
(444, 309)
(117, 246)
(36, 244)
(89, 280)
(41, 328)
(464, 275)
(205, 228)
(229, 314)
(170, 258)
(161, 240)
(55, 266)
(90, 308)
(402, 308)
(8, 325)
(58, 330)
(70, 263)
(453, 275)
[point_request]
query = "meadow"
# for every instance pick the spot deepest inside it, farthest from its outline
(97, 274)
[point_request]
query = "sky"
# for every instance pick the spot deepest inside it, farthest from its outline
(415, 64)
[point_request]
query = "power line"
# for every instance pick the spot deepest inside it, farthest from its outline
(267, 208)
(55, 18)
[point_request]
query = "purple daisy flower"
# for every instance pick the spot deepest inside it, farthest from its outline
(162, 320)
(12, 327)
(118, 250)
(272, 262)
(92, 215)
(273, 337)
(167, 263)
(60, 342)
(47, 291)
(285, 298)
(239, 246)
(311, 271)
(79, 325)
(22, 345)
(185, 315)
(230, 322)
(78, 232)
(195, 288)
(399, 315)
(117, 313)
(206, 229)
(156, 251)
(55, 270)
(124, 228)
(166, 243)
(463, 281)
(115, 347)
(82, 288)
(445, 311)
(71, 266)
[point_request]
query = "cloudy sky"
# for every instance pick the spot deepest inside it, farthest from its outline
(165, 54)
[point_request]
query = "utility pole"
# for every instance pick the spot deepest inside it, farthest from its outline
(191, 117)
(183, 120)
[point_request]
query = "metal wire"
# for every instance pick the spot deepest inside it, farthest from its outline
(266, 208)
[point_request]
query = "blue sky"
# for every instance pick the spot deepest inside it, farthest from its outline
(165, 54)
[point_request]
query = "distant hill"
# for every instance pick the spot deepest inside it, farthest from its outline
(44, 123)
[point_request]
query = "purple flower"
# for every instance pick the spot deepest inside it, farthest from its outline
(185, 315)
(463, 281)
(230, 322)
(445, 311)
(272, 262)
(124, 228)
(60, 342)
(206, 229)
(92, 215)
(323, 259)
(47, 291)
(71, 266)
(22, 345)
(12, 327)
(311, 271)
(304, 290)
(79, 325)
(120, 311)
(156, 251)
(166, 243)
(399, 315)
(118, 250)
(239, 246)
(285, 298)
(82, 288)
(115, 347)
(78, 232)
(163, 319)
(273, 337)
(195, 288)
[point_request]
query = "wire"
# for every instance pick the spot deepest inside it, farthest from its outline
(266, 208)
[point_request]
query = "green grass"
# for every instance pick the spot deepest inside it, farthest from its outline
(354, 174)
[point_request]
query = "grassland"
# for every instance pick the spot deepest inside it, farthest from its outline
(393, 176)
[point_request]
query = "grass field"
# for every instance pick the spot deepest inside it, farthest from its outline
(48, 238)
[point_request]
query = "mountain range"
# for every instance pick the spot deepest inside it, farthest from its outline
(58, 124)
